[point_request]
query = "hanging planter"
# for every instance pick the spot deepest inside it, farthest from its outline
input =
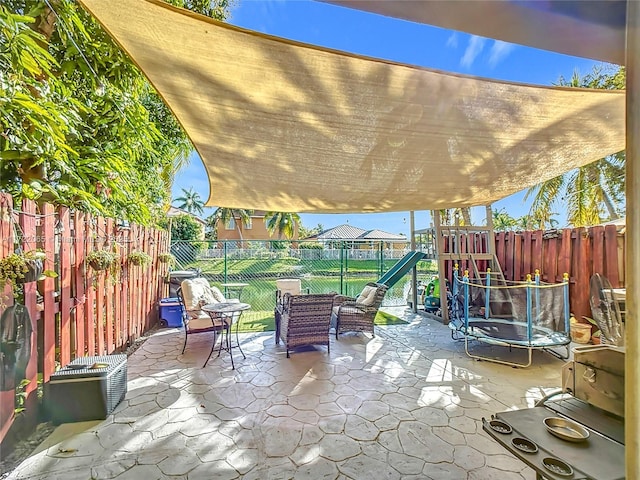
(139, 259)
(166, 257)
(100, 260)
(21, 268)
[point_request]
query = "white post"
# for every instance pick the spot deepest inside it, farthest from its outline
(632, 261)
(414, 270)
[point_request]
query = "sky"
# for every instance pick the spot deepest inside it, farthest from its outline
(376, 36)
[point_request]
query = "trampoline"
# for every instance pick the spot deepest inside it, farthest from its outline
(529, 315)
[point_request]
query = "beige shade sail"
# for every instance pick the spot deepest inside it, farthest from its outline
(282, 126)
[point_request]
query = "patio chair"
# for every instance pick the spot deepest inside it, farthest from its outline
(357, 314)
(303, 320)
(192, 295)
(292, 286)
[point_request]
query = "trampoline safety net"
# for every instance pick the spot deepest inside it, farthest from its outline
(530, 314)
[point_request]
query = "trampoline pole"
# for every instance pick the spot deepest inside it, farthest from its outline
(565, 279)
(486, 297)
(466, 300)
(538, 313)
(529, 327)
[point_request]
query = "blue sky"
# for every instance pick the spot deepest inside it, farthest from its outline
(400, 41)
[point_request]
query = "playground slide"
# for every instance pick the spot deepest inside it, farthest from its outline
(400, 269)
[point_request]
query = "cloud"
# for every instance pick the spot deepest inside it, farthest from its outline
(476, 44)
(499, 51)
(452, 41)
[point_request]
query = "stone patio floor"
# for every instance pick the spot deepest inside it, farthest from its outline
(404, 404)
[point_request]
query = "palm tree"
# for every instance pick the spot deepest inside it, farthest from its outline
(593, 193)
(211, 225)
(282, 223)
(502, 221)
(190, 201)
(225, 215)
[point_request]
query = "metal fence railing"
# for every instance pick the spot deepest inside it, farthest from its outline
(343, 270)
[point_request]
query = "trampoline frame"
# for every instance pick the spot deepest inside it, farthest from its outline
(532, 341)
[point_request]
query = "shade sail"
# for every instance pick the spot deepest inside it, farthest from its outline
(582, 28)
(282, 126)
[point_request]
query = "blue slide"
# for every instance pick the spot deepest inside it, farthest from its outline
(400, 269)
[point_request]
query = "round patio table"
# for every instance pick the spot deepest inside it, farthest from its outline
(234, 287)
(229, 313)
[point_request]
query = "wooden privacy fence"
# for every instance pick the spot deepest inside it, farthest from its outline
(81, 312)
(580, 252)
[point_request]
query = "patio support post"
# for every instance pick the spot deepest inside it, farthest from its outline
(632, 261)
(414, 270)
(491, 236)
(439, 243)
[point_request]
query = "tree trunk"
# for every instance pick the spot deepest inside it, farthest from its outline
(466, 215)
(239, 232)
(47, 23)
(613, 215)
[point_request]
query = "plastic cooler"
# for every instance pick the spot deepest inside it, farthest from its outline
(170, 312)
(89, 388)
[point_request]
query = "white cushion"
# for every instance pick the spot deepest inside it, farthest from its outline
(200, 322)
(217, 295)
(368, 295)
(197, 292)
(292, 286)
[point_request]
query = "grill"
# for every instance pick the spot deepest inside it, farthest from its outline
(591, 407)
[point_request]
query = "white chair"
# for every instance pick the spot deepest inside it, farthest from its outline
(292, 286)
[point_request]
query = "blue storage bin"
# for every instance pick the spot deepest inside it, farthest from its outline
(170, 312)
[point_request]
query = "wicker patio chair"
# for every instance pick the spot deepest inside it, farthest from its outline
(357, 314)
(303, 320)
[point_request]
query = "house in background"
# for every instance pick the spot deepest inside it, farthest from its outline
(358, 238)
(255, 231)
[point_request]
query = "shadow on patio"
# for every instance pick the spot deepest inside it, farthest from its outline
(405, 404)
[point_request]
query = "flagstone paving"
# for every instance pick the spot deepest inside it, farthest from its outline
(405, 404)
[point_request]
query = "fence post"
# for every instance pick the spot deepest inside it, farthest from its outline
(225, 261)
(342, 269)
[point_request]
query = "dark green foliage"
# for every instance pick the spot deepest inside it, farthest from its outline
(81, 126)
(185, 227)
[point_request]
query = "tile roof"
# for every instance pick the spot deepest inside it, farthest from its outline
(349, 232)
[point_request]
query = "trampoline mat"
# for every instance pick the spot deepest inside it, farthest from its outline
(514, 333)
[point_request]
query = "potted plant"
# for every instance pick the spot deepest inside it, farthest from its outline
(20, 268)
(101, 260)
(166, 257)
(139, 258)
